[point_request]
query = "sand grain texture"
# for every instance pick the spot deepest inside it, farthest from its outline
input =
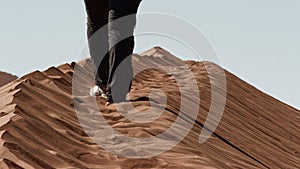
(39, 127)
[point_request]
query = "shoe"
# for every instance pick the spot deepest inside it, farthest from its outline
(118, 99)
(96, 91)
(109, 100)
(108, 103)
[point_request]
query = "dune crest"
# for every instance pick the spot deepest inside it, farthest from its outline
(40, 129)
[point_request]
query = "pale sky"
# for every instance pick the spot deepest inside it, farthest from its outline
(257, 40)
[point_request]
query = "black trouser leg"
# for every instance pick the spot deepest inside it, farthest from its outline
(97, 12)
(121, 44)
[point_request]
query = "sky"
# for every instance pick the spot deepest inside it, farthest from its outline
(256, 40)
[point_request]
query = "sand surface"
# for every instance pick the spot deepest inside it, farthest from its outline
(39, 127)
(6, 78)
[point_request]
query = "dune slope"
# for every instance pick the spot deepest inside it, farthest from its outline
(6, 78)
(39, 127)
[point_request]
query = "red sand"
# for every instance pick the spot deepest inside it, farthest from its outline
(39, 128)
(6, 78)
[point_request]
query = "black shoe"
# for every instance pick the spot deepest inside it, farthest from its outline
(117, 99)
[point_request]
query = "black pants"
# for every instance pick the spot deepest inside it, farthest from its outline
(111, 43)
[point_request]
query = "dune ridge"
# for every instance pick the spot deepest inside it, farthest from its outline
(39, 127)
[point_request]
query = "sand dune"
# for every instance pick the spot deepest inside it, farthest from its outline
(40, 129)
(6, 78)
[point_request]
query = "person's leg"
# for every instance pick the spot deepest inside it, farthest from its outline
(120, 76)
(97, 12)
